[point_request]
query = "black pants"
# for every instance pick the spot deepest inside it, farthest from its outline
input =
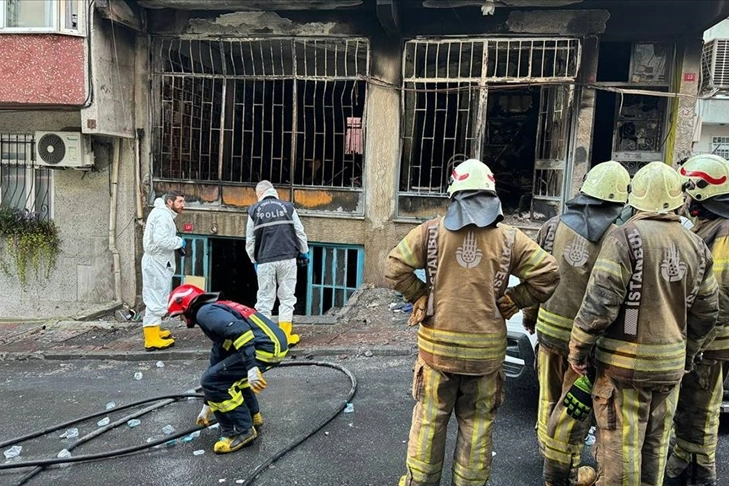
(226, 389)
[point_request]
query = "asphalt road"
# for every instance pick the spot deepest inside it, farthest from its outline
(365, 447)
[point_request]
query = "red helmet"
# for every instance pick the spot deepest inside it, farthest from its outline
(182, 298)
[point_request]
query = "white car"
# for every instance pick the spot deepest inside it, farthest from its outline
(520, 347)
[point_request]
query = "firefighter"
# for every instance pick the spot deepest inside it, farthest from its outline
(468, 257)
(574, 238)
(245, 344)
(696, 422)
(650, 302)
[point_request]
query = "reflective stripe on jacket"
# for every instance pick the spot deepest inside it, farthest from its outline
(651, 301)
(576, 257)
(715, 234)
(233, 327)
(470, 270)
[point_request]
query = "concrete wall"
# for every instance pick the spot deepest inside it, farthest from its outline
(83, 275)
(681, 134)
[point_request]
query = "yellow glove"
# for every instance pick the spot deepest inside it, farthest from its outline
(507, 306)
(418, 311)
(203, 418)
(255, 379)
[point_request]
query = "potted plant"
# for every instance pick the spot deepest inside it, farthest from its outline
(27, 242)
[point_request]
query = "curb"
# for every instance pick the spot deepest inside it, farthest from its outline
(200, 354)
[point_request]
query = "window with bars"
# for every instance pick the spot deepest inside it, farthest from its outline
(720, 146)
(283, 109)
(446, 84)
(22, 185)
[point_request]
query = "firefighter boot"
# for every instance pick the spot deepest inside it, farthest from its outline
(153, 341)
(586, 476)
(288, 328)
(257, 419)
(232, 444)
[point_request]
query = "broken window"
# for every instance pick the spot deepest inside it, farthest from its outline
(461, 101)
(283, 109)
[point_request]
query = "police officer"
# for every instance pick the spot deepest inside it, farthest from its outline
(275, 239)
(650, 302)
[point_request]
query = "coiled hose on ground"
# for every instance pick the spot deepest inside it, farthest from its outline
(164, 400)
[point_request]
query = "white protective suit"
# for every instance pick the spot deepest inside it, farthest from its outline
(276, 279)
(158, 262)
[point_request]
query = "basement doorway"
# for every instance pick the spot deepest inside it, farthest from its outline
(233, 274)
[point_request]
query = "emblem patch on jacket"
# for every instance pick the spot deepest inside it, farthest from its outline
(468, 255)
(672, 268)
(575, 253)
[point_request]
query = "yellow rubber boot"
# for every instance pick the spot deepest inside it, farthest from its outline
(165, 333)
(257, 419)
(153, 341)
(288, 328)
(232, 444)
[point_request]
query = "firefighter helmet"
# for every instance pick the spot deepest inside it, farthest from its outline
(471, 175)
(656, 188)
(705, 176)
(182, 298)
(607, 181)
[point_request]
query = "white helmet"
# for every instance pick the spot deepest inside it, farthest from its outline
(656, 188)
(607, 181)
(471, 175)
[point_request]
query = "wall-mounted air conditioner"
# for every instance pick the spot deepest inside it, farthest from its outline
(63, 150)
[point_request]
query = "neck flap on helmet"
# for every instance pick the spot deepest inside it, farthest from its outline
(480, 208)
(718, 205)
(590, 217)
(200, 300)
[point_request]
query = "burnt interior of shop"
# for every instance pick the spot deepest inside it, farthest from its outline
(287, 111)
(512, 117)
(629, 125)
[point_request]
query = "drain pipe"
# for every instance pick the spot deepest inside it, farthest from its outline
(138, 174)
(112, 218)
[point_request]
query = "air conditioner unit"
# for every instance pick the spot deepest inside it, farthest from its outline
(62, 150)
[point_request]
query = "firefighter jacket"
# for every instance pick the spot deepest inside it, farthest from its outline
(651, 301)
(576, 256)
(235, 328)
(467, 271)
(715, 233)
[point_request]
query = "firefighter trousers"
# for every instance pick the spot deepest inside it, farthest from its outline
(475, 400)
(230, 397)
(697, 424)
(561, 437)
(633, 431)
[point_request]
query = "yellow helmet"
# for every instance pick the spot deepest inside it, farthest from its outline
(656, 188)
(471, 175)
(607, 181)
(706, 176)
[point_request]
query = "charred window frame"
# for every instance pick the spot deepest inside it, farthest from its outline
(444, 121)
(235, 111)
(23, 185)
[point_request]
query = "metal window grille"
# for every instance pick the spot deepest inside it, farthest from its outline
(720, 146)
(22, 185)
(283, 109)
(446, 85)
(335, 273)
(552, 143)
